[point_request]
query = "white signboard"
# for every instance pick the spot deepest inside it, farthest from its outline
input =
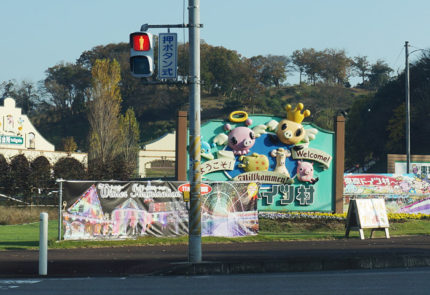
(372, 213)
(167, 56)
(367, 213)
(417, 168)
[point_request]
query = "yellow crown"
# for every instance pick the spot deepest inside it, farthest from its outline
(296, 115)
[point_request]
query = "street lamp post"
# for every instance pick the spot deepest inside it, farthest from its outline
(408, 113)
(408, 110)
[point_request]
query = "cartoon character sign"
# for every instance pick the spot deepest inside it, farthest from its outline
(277, 152)
(290, 130)
(239, 139)
(305, 172)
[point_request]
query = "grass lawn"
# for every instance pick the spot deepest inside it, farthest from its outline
(26, 236)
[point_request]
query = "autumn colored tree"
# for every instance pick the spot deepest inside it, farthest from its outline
(103, 115)
(126, 164)
(69, 144)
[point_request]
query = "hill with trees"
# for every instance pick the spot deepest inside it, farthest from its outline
(60, 105)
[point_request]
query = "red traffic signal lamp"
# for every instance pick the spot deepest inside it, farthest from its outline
(141, 54)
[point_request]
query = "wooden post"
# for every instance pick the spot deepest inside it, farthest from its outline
(181, 146)
(340, 163)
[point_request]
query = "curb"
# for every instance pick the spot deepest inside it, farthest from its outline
(294, 265)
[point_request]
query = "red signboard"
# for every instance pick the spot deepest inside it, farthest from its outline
(204, 188)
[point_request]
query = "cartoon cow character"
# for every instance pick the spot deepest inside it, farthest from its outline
(241, 138)
(254, 162)
(305, 172)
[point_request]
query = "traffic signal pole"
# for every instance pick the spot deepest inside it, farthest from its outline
(195, 233)
(194, 227)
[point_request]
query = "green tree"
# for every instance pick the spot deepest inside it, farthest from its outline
(20, 177)
(312, 64)
(334, 66)
(67, 87)
(104, 110)
(218, 69)
(4, 175)
(299, 62)
(361, 67)
(69, 169)
(375, 125)
(396, 128)
(379, 74)
(25, 94)
(275, 70)
(8, 89)
(27, 97)
(40, 175)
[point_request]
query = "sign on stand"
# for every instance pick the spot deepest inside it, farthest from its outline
(367, 213)
(167, 56)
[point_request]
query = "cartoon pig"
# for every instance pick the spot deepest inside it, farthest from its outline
(305, 172)
(240, 139)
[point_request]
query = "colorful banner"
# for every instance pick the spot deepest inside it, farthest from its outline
(403, 193)
(385, 184)
(117, 210)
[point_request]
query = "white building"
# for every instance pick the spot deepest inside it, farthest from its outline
(158, 157)
(18, 136)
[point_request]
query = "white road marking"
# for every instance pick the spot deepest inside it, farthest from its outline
(12, 284)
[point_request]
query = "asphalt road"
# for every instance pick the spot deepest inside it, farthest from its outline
(381, 282)
(230, 258)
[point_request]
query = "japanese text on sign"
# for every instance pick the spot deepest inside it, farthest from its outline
(167, 56)
(304, 195)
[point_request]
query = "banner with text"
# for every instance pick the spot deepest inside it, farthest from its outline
(116, 210)
(403, 193)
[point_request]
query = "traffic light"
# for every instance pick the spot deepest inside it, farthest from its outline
(141, 54)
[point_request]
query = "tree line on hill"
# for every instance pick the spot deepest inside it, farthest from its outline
(64, 94)
(59, 106)
(376, 124)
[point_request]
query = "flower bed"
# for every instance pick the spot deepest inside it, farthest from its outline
(334, 216)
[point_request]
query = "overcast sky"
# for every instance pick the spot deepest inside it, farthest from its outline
(36, 35)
